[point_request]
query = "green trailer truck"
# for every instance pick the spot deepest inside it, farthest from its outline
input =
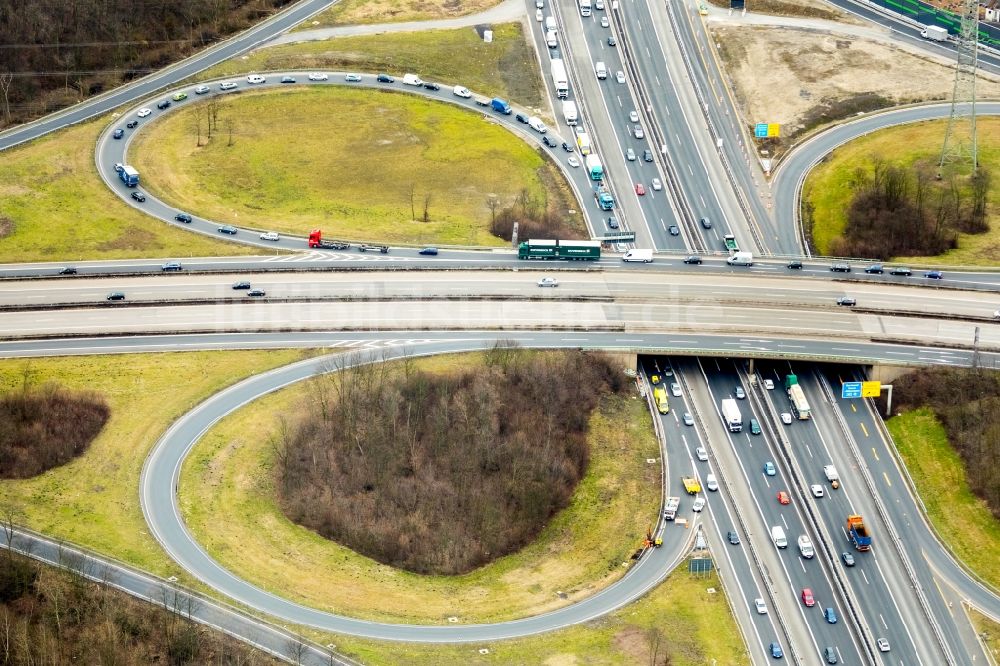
(559, 249)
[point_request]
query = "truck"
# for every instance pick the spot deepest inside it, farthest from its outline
(858, 533)
(559, 78)
(559, 249)
(806, 547)
(594, 167)
(670, 510)
(584, 7)
(550, 23)
(731, 415)
(500, 106)
(129, 175)
(729, 241)
(316, 240)
(740, 259)
(691, 485)
(660, 397)
(570, 113)
(832, 476)
(603, 196)
(797, 397)
(935, 33)
(583, 143)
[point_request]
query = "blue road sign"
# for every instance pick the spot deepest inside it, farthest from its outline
(760, 130)
(850, 390)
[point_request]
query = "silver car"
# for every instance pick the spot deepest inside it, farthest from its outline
(620, 76)
(630, 155)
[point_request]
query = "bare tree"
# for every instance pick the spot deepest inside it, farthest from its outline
(6, 79)
(493, 203)
(413, 210)
(229, 129)
(427, 204)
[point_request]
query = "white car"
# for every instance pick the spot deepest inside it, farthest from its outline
(201, 90)
(538, 15)
(633, 116)
(786, 418)
(599, 4)
(572, 161)
(461, 91)
(817, 490)
(539, 4)
(620, 76)
(675, 389)
(604, 22)
(318, 76)
(698, 505)
(760, 606)
(227, 85)
(353, 78)
(883, 645)
(657, 185)
(143, 112)
(996, 315)
(255, 78)
(270, 236)
(768, 384)
(701, 453)
(548, 282)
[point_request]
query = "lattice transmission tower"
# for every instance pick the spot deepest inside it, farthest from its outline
(960, 137)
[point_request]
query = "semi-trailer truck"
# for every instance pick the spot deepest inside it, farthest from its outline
(559, 78)
(594, 167)
(797, 397)
(559, 249)
(603, 196)
(316, 240)
(731, 415)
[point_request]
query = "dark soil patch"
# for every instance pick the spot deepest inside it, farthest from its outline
(6, 226)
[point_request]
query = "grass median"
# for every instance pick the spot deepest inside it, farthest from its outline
(228, 500)
(356, 12)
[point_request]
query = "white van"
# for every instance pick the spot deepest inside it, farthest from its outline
(645, 256)
(550, 23)
(551, 40)
(462, 91)
(538, 15)
(711, 483)
(255, 78)
(806, 547)
(778, 537)
(601, 69)
(412, 80)
(536, 124)
(740, 259)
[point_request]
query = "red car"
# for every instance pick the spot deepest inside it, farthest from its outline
(807, 597)
(783, 497)
(640, 189)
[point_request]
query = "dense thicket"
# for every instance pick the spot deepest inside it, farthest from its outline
(442, 473)
(905, 212)
(968, 404)
(44, 428)
(56, 52)
(51, 616)
(533, 219)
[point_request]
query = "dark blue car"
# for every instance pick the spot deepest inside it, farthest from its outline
(118, 133)
(429, 251)
(776, 651)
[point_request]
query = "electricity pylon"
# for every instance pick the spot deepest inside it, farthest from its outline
(960, 137)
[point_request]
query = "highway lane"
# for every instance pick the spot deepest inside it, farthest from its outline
(244, 41)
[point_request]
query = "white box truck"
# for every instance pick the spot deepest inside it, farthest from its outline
(570, 112)
(731, 415)
(740, 259)
(645, 256)
(935, 33)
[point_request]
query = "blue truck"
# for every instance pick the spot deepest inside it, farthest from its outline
(604, 198)
(129, 176)
(500, 106)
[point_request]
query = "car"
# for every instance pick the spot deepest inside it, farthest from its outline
(521, 118)
(318, 76)
(288, 79)
(143, 112)
(539, 4)
(431, 86)
(633, 116)
(688, 419)
(118, 133)
(655, 379)
(228, 85)
(550, 142)
(385, 78)
(201, 90)
(783, 498)
(620, 76)
(116, 296)
(760, 606)
(794, 265)
(132, 124)
(573, 162)
(119, 167)
(841, 268)
(538, 15)
(848, 559)
(429, 251)
(674, 230)
(740, 393)
(637, 132)
(254, 79)
(163, 104)
(705, 223)
(604, 22)
(179, 97)
(698, 505)
(786, 418)
(612, 222)
(996, 314)
(640, 189)
(900, 270)
(769, 468)
(733, 537)
(847, 301)
(612, 42)
(568, 147)
(270, 236)
(172, 266)
(754, 427)
(807, 597)
(630, 155)
(242, 284)
(69, 270)
(830, 655)
(883, 645)
(701, 453)
(548, 282)
(256, 292)
(875, 269)
(668, 373)
(138, 196)
(460, 91)
(692, 259)
(228, 229)
(934, 275)
(711, 483)
(647, 155)
(675, 390)
(776, 651)
(183, 217)
(816, 490)
(352, 78)
(769, 384)
(830, 615)
(599, 4)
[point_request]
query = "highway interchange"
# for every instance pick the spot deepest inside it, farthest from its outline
(690, 319)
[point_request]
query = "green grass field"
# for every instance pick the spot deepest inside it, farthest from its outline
(228, 500)
(973, 533)
(346, 161)
(354, 12)
(506, 68)
(94, 499)
(989, 631)
(61, 210)
(828, 189)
